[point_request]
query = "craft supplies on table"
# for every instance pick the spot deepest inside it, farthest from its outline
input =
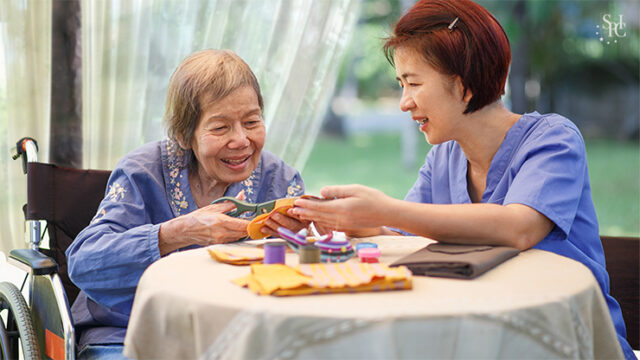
(274, 252)
(307, 279)
(308, 254)
(369, 255)
(235, 255)
(332, 248)
(363, 245)
(456, 260)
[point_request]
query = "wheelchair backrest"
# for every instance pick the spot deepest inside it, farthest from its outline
(67, 199)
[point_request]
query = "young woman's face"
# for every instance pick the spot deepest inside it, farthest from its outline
(229, 136)
(434, 99)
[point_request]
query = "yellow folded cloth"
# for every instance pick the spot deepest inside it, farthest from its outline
(282, 280)
(236, 255)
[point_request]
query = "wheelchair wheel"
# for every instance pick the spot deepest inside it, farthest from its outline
(16, 327)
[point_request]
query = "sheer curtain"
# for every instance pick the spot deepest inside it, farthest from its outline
(130, 49)
(25, 87)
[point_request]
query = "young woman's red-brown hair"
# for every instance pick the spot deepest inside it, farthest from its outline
(475, 48)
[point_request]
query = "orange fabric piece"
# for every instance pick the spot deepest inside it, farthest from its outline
(282, 205)
(54, 345)
(235, 255)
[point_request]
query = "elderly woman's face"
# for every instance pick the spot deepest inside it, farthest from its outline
(229, 136)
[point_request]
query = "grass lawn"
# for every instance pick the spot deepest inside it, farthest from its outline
(375, 160)
(614, 170)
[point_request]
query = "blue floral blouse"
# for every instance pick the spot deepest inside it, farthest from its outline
(149, 186)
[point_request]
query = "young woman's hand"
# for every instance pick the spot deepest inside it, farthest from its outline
(355, 209)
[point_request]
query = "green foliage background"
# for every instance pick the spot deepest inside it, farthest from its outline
(560, 36)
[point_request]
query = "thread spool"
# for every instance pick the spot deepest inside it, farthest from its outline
(274, 252)
(364, 245)
(369, 255)
(309, 254)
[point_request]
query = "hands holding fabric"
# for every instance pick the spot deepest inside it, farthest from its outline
(211, 225)
(205, 226)
(288, 221)
(356, 210)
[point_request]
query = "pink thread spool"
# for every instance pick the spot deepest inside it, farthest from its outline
(274, 252)
(369, 255)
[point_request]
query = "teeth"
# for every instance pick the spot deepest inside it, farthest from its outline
(234, 162)
(422, 121)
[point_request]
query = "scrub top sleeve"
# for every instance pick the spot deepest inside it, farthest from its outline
(420, 192)
(551, 175)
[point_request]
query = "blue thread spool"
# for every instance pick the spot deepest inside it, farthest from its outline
(274, 252)
(365, 245)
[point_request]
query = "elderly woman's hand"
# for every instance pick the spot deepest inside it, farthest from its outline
(205, 226)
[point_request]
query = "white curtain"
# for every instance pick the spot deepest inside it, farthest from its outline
(25, 88)
(130, 49)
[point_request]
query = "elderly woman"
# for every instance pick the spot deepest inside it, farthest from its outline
(492, 177)
(158, 196)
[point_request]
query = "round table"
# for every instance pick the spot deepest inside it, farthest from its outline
(537, 305)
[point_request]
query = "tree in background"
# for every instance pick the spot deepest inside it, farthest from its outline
(565, 61)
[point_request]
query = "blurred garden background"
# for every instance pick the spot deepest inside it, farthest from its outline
(578, 58)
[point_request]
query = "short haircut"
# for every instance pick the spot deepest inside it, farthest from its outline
(206, 75)
(475, 48)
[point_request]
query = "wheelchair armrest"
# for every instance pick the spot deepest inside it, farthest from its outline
(38, 263)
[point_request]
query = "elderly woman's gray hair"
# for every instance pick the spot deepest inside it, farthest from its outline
(204, 76)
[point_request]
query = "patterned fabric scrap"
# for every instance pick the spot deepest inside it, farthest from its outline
(307, 279)
(235, 255)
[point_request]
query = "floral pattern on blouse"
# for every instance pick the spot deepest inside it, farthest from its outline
(294, 189)
(116, 190)
(101, 213)
(176, 164)
(248, 184)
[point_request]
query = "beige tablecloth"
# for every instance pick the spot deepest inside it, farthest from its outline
(536, 305)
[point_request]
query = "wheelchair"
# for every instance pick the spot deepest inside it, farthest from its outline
(40, 326)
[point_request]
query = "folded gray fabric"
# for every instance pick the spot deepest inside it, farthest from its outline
(456, 261)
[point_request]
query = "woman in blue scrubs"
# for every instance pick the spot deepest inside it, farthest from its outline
(493, 177)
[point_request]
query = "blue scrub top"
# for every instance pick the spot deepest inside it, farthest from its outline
(541, 163)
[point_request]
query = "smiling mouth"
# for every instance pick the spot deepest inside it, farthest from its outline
(236, 161)
(422, 121)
